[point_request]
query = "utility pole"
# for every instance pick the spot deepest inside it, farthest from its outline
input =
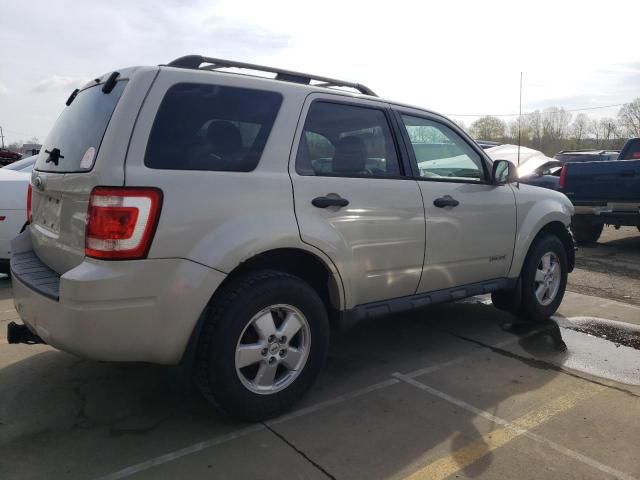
(2, 136)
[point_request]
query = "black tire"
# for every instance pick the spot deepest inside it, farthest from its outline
(228, 316)
(584, 231)
(531, 308)
(508, 300)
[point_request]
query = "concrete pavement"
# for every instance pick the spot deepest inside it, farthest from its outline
(453, 391)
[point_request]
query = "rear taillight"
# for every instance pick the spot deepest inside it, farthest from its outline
(563, 176)
(29, 204)
(121, 222)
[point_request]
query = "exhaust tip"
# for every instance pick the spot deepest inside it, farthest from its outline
(17, 333)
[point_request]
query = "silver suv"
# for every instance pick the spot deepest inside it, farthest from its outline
(188, 212)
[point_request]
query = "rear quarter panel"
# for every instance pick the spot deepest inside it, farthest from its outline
(220, 218)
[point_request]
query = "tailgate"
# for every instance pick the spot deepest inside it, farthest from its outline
(602, 182)
(85, 148)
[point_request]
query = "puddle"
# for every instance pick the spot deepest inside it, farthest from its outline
(596, 346)
(616, 334)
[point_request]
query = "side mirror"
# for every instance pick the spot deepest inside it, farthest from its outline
(504, 172)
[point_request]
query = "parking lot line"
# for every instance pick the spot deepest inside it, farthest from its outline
(171, 456)
(465, 456)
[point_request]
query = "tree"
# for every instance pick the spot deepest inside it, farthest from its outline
(533, 122)
(579, 128)
(609, 130)
(488, 128)
(555, 123)
(629, 118)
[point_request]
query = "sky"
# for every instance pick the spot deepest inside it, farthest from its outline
(459, 58)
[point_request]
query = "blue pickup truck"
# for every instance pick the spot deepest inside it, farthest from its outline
(603, 193)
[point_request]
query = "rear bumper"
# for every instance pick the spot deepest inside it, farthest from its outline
(626, 218)
(139, 310)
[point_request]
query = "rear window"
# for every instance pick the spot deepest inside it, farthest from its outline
(78, 132)
(211, 127)
(631, 150)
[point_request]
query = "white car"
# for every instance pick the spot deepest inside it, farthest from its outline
(14, 182)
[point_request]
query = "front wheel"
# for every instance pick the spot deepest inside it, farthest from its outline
(544, 278)
(263, 343)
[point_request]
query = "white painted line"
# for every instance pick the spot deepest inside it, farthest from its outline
(169, 457)
(619, 304)
(334, 401)
(492, 418)
(480, 349)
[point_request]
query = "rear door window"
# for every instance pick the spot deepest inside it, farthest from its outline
(78, 132)
(348, 141)
(211, 127)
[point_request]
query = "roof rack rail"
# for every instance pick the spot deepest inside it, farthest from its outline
(195, 62)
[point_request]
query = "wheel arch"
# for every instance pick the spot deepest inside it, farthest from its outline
(306, 265)
(554, 227)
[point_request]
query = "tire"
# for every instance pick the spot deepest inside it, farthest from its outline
(533, 307)
(508, 300)
(238, 319)
(585, 231)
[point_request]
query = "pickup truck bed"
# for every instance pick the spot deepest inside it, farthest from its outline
(604, 193)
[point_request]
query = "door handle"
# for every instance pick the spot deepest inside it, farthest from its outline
(324, 202)
(446, 201)
(628, 173)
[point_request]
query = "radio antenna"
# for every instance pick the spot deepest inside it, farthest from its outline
(520, 121)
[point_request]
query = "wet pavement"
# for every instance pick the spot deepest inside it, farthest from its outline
(609, 268)
(452, 391)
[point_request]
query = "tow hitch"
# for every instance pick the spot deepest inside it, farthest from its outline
(21, 334)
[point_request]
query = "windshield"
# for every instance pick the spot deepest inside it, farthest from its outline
(75, 138)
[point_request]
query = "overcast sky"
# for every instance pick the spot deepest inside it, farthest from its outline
(454, 57)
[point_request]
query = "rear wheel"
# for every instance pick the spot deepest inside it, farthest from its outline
(584, 231)
(264, 341)
(544, 278)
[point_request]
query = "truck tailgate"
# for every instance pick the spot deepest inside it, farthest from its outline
(602, 182)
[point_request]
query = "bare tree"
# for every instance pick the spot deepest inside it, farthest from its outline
(533, 122)
(629, 118)
(555, 124)
(579, 128)
(609, 129)
(488, 128)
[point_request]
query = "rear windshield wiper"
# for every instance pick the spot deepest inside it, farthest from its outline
(72, 97)
(110, 83)
(54, 156)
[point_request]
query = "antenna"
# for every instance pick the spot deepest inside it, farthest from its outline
(520, 121)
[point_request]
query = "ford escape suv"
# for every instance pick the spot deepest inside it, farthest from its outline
(188, 211)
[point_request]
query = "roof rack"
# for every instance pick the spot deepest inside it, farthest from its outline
(195, 62)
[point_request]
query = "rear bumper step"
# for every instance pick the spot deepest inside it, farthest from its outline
(17, 333)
